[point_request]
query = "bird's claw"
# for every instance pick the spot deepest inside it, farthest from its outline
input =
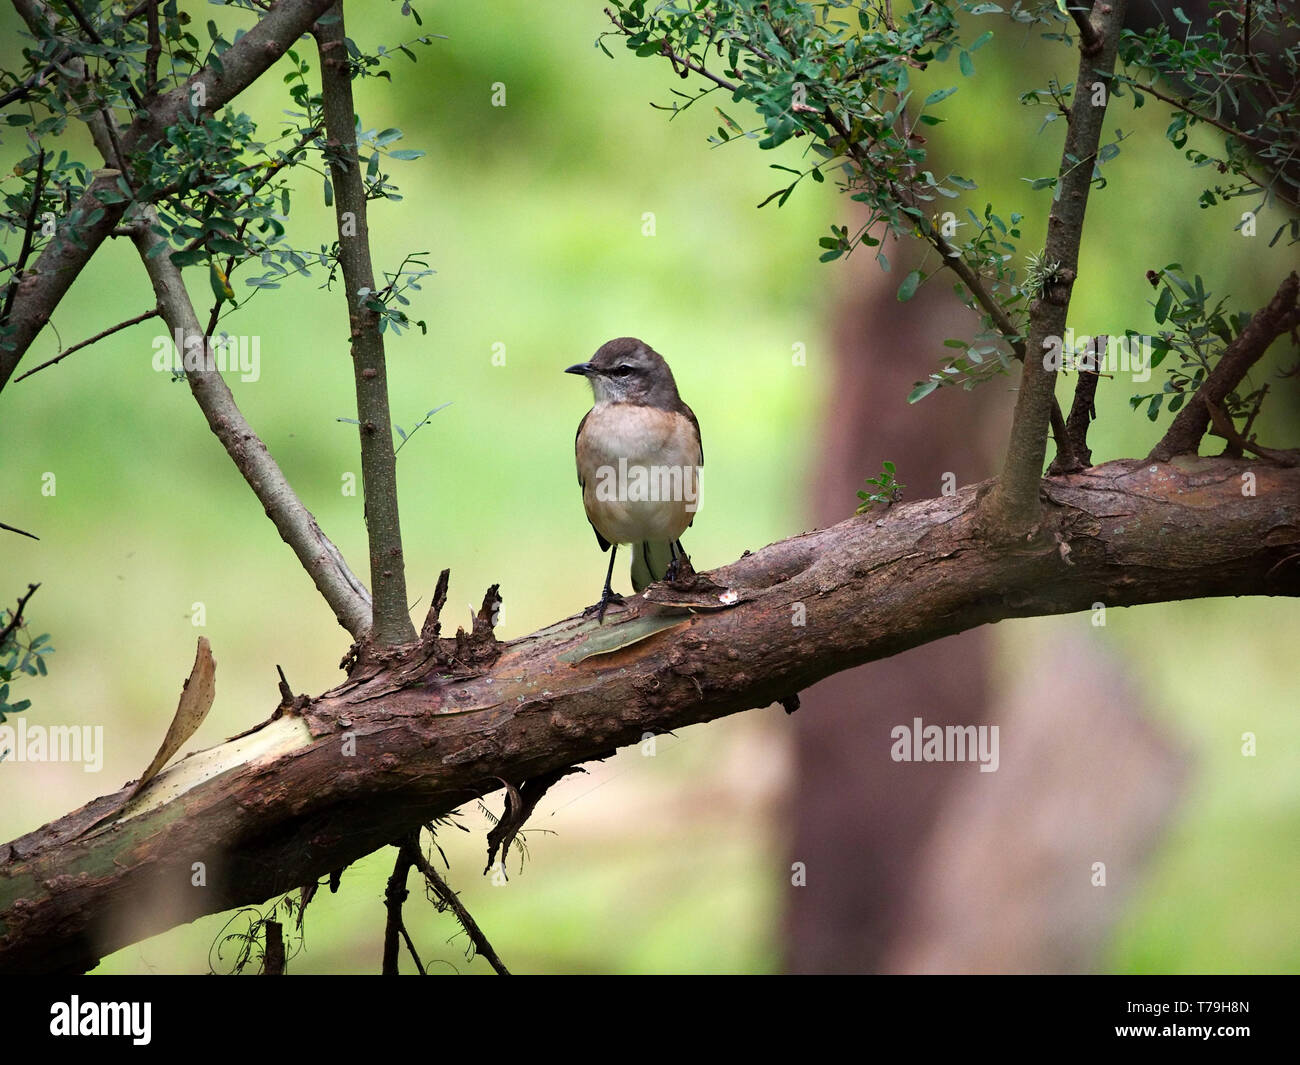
(679, 567)
(599, 608)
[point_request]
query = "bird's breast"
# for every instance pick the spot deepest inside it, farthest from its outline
(640, 472)
(641, 435)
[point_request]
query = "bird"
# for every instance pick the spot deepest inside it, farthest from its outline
(639, 457)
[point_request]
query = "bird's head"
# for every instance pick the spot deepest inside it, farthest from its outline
(628, 370)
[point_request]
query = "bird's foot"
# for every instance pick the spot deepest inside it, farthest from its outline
(598, 609)
(679, 569)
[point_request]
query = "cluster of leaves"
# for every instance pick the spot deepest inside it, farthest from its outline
(985, 355)
(387, 302)
(809, 73)
(20, 652)
(838, 74)
(1239, 74)
(883, 489)
(229, 206)
(1057, 98)
(1197, 332)
(93, 62)
(221, 192)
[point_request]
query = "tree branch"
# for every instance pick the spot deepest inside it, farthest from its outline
(154, 52)
(953, 259)
(419, 736)
(394, 896)
(1090, 42)
(392, 621)
(76, 239)
(16, 618)
(346, 595)
(452, 901)
(328, 570)
(25, 251)
(1280, 316)
(1012, 507)
(1082, 413)
(155, 313)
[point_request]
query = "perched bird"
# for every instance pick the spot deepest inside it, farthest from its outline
(639, 457)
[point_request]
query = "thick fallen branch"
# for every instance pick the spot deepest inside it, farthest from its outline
(337, 777)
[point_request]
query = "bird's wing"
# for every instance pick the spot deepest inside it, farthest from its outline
(690, 414)
(576, 437)
(604, 544)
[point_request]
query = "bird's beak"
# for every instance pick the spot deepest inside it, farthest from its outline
(583, 368)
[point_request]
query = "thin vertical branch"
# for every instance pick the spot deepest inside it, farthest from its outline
(392, 622)
(394, 896)
(24, 253)
(1012, 507)
(154, 51)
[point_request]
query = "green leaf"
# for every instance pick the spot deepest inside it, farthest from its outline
(908, 288)
(921, 391)
(188, 258)
(1163, 304)
(966, 64)
(939, 94)
(406, 153)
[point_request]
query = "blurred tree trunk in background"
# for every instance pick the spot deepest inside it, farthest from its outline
(860, 820)
(936, 866)
(1007, 881)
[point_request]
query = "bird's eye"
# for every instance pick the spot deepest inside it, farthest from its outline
(621, 371)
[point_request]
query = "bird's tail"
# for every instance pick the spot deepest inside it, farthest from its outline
(649, 563)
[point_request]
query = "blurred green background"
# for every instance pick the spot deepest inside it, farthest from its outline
(533, 216)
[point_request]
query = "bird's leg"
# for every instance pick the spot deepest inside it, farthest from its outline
(680, 566)
(608, 595)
